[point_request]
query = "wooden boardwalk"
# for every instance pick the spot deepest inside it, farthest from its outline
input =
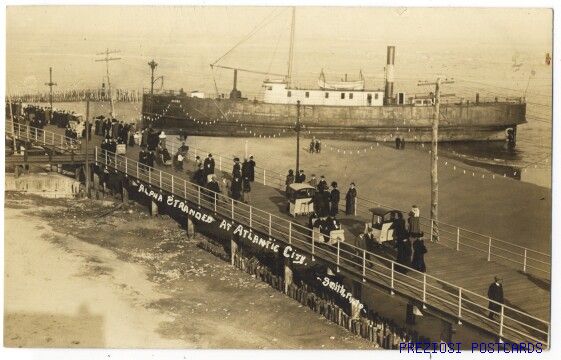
(523, 292)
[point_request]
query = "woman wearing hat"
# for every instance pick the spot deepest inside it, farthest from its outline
(350, 200)
(334, 198)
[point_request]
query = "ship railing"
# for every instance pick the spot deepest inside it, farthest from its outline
(148, 91)
(429, 291)
(491, 100)
(45, 137)
(454, 237)
(426, 290)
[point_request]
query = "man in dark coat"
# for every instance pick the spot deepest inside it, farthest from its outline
(153, 140)
(495, 293)
(150, 159)
(321, 203)
(289, 180)
(246, 184)
(403, 248)
(120, 128)
(251, 169)
(322, 184)
(199, 176)
(300, 177)
(318, 146)
(113, 147)
(350, 200)
(213, 185)
(236, 187)
(419, 251)
(209, 165)
(334, 198)
(105, 144)
(237, 169)
(97, 125)
(143, 155)
(182, 135)
(114, 129)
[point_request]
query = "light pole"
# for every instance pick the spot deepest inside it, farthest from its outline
(297, 129)
(152, 65)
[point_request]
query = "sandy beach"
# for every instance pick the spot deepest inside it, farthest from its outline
(138, 282)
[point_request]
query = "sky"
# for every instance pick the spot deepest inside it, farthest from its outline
(185, 40)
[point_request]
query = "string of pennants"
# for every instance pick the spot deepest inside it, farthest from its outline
(155, 117)
(448, 163)
(390, 138)
(242, 125)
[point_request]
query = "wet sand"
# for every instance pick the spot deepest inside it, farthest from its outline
(76, 278)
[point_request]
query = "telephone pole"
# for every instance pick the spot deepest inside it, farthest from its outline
(297, 129)
(434, 156)
(152, 65)
(107, 59)
(87, 165)
(50, 84)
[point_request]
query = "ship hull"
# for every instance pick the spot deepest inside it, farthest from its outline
(209, 117)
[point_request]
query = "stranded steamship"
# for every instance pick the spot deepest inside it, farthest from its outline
(340, 110)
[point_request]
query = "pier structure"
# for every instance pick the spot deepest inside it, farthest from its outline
(266, 224)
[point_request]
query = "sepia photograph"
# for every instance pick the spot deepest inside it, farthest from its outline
(280, 177)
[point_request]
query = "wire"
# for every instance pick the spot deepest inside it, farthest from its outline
(247, 37)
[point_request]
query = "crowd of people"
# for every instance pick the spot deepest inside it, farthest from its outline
(243, 174)
(325, 201)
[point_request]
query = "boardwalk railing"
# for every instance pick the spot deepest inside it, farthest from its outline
(464, 305)
(454, 237)
(33, 134)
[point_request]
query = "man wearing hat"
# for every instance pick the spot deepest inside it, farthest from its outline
(237, 170)
(334, 198)
(495, 293)
(300, 177)
(322, 184)
(213, 186)
(251, 169)
(350, 200)
(209, 165)
(142, 155)
(236, 186)
(98, 120)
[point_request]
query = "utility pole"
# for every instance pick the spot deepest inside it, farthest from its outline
(107, 59)
(434, 157)
(13, 125)
(50, 84)
(152, 65)
(87, 169)
(291, 47)
(297, 129)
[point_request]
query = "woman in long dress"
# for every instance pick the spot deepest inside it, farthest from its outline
(419, 251)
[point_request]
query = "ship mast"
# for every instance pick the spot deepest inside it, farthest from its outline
(291, 48)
